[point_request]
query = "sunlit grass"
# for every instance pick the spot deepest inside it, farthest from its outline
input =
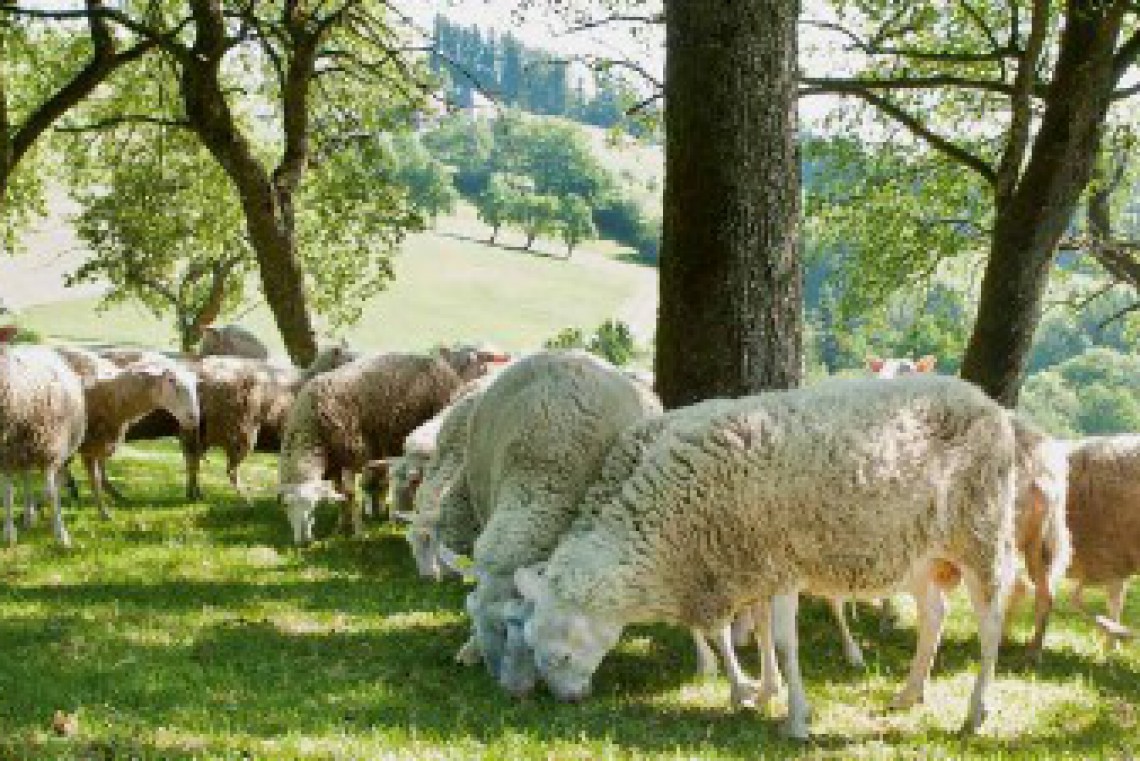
(195, 629)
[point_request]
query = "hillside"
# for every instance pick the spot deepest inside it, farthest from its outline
(450, 286)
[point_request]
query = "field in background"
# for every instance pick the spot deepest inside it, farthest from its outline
(195, 630)
(450, 286)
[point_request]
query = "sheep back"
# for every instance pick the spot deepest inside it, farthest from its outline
(841, 489)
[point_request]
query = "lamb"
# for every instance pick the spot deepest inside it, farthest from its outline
(848, 488)
(1103, 512)
(231, 341)
(117, 397)
(347, 417)
(42, 422)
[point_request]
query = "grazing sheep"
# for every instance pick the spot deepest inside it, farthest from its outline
(1103, 515)
(116, 397)
(347, 417)
(231, 341)
(42, 421)
(848, 488)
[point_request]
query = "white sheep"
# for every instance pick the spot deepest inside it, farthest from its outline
(42, 420)
(350, 416)
(116, 397)
(536, 437)
(849, 488)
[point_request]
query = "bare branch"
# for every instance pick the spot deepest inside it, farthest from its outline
(112, 122)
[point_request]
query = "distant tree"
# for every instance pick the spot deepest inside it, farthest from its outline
(538, 215)
(466, 144)
(512, 74)
(500, 204)
(575, 222)
(165, 230)
(428, 182)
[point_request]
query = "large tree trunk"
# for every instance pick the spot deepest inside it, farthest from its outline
(731, 314)
(1029, 225)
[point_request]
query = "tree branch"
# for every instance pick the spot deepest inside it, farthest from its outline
(112, 122)
(940, 143)
(1021, 104)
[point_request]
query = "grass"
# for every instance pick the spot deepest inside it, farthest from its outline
(196, 630)
(450, 286)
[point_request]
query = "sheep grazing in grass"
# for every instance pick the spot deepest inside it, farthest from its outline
(116, 397)
(1103, 516)
(347, 417)
(846, 489)
(231, 341)
(42, 421)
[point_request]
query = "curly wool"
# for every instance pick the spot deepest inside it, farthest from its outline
(842, 489)
(232, 341)
(537, 440)
(1104, 508)
(361, 411)
(42, 410)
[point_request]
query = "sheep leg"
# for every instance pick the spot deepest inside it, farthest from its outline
(1042, 608)
(742, 627)
(744, 690)
(233, 462)
(469, 654)
(769, 666)
(888, 616)
(108, 486)
(784, 611)
(851, 648)
(30, 512)
(95, 477)
(70, 483)
(931, 603)
(351, 515)
(988, 603)
(1078, 597)
(51, 479)
(8, 489)
(1116, 591)
(706, 658)
(193, 458)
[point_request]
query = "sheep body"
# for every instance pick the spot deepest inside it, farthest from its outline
(849, 488)
(42, 422)
(347, 417)
(231, 341)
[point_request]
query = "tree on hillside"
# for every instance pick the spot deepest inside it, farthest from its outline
(575, 222)
(731, 314)
(164, 227)
(271, 90)
(1055, 70)
(538, 215)
(428, 182)
(499, 204)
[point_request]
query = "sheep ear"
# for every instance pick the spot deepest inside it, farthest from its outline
(926, 364)
(530, 581)
(875, 364)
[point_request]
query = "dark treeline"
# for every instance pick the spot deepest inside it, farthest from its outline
(473, 60)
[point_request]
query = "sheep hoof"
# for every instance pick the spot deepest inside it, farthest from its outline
(469, 654)
(855, 659)
(64, 540)
(973, 723)
(10, 535)
(795, 730)
(745, 695)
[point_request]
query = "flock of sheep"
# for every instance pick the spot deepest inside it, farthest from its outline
(579, 506)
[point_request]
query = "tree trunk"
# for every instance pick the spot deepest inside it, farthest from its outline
(731, 315)
(1029, 225)
(267, 205)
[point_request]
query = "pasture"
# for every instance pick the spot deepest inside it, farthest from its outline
(196, 630)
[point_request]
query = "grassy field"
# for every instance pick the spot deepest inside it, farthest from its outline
(450, 286)
(196, 630)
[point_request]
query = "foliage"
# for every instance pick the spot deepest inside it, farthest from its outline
(538, 215)
(165, 229)
(575, 223)
(612, 341)
(1097, 392)
(427, 181)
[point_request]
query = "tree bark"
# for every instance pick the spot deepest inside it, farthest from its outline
(1030, 222)
(731, 314)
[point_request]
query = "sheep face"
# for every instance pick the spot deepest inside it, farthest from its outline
(178, 395)
(568, 644)
(423, 547)
(300, 502)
